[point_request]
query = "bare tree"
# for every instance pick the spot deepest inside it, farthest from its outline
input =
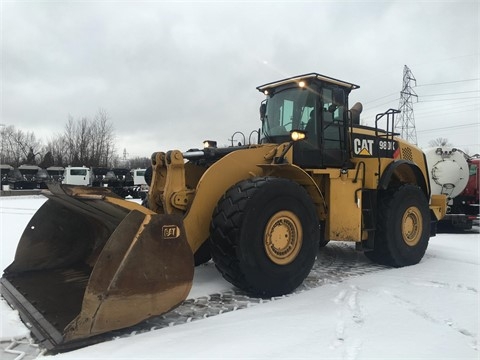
(32, 147)
(19, 147)
(439, 142)
(47, 161)
(90, 142)
(84, 140)
(57, 147)
(140, 162)
(103, 139)
(3, 148)
(69, 140)
(78, 138)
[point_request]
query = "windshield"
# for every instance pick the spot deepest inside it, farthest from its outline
(286, 111)
(78, 172)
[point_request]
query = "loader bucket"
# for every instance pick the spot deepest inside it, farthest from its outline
(90, 262)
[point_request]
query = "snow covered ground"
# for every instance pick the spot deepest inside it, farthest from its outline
(427, 311)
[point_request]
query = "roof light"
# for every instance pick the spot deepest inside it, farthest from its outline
(301, 84)
(209, 144)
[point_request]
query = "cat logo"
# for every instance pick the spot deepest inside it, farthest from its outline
(370, 146)
(363, 147)
(170, 231)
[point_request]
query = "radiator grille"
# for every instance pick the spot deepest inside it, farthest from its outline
(407, 154)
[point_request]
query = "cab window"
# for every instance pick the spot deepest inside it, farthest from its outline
(78, 172)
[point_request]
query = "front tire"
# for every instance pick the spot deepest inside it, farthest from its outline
(202, 255)
(264, 235)
(403, 227)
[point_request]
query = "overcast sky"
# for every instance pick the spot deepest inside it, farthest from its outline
(171, 74)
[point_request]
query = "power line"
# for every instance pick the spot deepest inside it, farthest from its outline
(442, 113)
(371, 112)
(450, 127)
(467, 102)
(452, 99)
(441, 83)
(380, 98)
(446, 109)
(452, 93)
(385, 103)
(448, 82)
(447, 106)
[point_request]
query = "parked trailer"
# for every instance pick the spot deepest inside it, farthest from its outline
(56, 173)
(4, 171)
(455, 174)
(23, 177)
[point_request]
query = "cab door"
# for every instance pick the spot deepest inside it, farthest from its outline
(333, 128)
(324, 121)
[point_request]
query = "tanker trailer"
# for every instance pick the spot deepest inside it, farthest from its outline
(448, 170)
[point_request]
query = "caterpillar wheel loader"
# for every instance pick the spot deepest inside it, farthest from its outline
(90, 262)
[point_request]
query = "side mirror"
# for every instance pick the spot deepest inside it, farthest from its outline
(339, 97)
(263, 111)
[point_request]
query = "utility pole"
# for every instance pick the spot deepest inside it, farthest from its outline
(125, 162)
(405, 124)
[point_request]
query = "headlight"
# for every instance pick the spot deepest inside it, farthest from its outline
(297, 135)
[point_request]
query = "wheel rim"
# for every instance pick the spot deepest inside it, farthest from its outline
(412, 226)
(283, 237)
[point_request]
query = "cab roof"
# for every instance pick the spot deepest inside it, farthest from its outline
(309, 77)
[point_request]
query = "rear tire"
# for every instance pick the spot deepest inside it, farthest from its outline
(265, 235)
(403, 227)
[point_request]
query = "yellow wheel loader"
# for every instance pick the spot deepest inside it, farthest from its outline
(90, 262)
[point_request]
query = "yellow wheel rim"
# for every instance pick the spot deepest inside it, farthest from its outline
(412, 226)
(283, 237)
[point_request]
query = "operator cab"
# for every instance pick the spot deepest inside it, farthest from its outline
(315, 104)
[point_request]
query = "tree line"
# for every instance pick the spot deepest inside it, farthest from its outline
(84, 142)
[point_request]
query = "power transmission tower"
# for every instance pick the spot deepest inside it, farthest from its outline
(405, 124)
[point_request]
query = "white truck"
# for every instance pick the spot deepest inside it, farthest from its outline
(140, 187)
(74, 175)
(132, 184)
(138, 177)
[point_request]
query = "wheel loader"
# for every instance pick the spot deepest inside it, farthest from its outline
(90, 262)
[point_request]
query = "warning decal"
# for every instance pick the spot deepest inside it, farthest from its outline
(364, 152)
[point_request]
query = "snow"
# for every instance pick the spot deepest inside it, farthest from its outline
(427, 311)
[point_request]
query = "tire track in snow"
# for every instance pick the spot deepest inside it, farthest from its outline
(350, 316)
(335, 263)
(439, 284)
(20, 349)
(424, 314)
